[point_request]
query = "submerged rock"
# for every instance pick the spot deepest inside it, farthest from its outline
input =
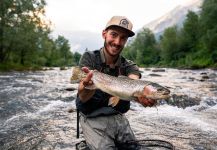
(158, 70)
(154, 75)
(183, 101)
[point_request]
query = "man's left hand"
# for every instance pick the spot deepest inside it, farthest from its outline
(147, 102)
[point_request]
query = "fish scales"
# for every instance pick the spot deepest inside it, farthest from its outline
(126, 88)
(113, 85)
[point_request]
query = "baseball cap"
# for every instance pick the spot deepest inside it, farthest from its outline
(123, 22)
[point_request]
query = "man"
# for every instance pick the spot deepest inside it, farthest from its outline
(106, 127)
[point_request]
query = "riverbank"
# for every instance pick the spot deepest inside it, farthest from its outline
(17, 67)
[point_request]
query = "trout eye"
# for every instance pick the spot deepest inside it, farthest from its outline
(163, 91)
(160, 90)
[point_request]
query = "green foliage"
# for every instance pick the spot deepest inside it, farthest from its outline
(209, 26)
(190, 33)
(76, 57)
(169, 45)
(143, 49)
(25, 39)
(192, 46)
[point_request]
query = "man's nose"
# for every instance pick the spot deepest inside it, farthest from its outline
(117, 41)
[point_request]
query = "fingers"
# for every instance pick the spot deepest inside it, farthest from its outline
(149, 89)
(84, 93)
(151, 102)
(85, 69)
(147, 102)
(87, 81)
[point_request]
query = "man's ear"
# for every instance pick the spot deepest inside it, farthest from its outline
(104, 34)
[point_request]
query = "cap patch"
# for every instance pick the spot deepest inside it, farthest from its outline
(124, 23)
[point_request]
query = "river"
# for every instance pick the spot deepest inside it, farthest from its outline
(37, 110)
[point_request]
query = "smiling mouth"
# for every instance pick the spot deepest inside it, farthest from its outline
(115, 47)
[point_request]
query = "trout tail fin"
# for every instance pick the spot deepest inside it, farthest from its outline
(77, 75)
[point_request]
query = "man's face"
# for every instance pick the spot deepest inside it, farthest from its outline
(115, 39)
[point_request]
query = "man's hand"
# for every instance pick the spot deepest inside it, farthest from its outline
(145, 101)
(148, 89)
(85, 94)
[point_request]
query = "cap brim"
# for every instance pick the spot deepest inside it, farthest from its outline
(130, 33)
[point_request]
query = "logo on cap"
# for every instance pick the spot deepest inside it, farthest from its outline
(124, 23)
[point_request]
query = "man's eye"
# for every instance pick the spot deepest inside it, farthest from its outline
(113, 34)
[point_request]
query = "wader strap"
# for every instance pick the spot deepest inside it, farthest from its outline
(99, 65)
(98, 62)
(78, 132)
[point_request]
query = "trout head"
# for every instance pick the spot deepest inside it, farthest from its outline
(152, 91)
(156, 92)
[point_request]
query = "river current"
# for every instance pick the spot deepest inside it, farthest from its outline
(37, 110)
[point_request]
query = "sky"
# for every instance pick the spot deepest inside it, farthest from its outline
(78, 16)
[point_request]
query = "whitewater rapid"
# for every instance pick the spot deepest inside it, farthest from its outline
(34, 110)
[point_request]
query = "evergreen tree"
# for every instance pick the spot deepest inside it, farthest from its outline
(169, 45)
(209, 28)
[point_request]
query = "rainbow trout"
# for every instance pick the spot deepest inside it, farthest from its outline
(123, 87)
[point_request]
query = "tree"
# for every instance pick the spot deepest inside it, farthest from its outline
(77, 57)
(143, 48)
(169, 45)
(63, 49)
(209, 28)
(23, 19)
(190, 33)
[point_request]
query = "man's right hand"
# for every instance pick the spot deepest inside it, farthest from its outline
(85, 94)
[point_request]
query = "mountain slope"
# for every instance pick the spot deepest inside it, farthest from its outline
(174, 17)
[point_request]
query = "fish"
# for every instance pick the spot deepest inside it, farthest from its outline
(123, 87)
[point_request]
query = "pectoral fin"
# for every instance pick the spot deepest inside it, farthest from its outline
(113, 101)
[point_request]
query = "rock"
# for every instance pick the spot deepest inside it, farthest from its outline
(71, 110)
(183, 101)
(63, 68)
(158, 70)
(154, 75)
(147, 69)
(191, 78)
(213, 75)
(205, 77)
(70, 89)
(203, 73)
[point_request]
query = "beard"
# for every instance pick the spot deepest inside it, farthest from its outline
(109, 49)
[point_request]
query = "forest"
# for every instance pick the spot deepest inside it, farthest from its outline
(194, 45)
(26, 41)
(25, 38)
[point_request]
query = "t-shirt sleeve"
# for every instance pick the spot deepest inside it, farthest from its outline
(86, 60)
(132, 68)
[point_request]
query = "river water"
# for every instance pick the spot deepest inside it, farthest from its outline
(37, 110)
